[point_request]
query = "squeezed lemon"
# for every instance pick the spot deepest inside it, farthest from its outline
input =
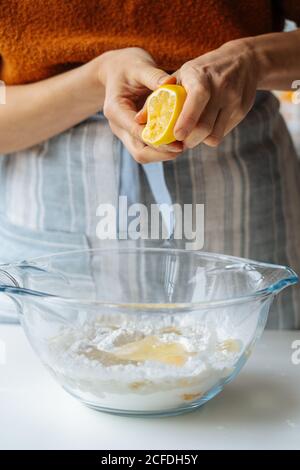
(164, 106)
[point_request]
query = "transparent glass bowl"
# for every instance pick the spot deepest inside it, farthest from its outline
(143, 331)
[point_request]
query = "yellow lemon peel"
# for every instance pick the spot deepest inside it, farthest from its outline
(164, 106)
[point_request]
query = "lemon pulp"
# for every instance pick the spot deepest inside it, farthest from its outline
(164, 106)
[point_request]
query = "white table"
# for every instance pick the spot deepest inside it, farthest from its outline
(260, 409)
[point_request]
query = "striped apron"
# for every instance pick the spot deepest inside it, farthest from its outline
(249, 185)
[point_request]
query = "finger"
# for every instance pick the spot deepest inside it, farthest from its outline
(205, 125)
(141, 116)
(144, 154)
(219, 130)
(152, 77)
(122, 117)
(121, 112)
(234, 121)
(140, 152)
(198, 95)
(173, 147)
(149, 155)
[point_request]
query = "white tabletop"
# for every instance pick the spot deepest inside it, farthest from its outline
(259, 410)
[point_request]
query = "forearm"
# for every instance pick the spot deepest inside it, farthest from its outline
(38, 111)
(278, 59)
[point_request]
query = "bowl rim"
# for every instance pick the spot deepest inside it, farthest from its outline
(271, 290)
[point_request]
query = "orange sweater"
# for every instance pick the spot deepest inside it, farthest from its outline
(40, 38)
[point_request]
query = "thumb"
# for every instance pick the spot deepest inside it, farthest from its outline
(141, 116)
(152, 77)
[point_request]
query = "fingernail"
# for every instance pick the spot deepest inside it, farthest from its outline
(181, 134)
(162, 79)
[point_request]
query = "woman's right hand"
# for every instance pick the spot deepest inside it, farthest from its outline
(128, 76)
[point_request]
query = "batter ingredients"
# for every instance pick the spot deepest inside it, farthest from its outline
(152, 348)
(145, 363)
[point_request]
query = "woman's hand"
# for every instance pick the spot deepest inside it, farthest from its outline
(221, 87)
(128, 75)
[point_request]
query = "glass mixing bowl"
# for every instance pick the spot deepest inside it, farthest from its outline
(143, 331)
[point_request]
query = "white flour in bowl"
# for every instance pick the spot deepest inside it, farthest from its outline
(150, 363)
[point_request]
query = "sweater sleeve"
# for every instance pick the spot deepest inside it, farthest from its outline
(291, 10)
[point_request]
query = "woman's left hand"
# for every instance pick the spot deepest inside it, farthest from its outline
(221, 87)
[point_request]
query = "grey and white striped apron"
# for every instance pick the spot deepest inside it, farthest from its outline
(250, 186)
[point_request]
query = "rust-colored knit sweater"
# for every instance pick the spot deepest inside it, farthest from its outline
(41, 38)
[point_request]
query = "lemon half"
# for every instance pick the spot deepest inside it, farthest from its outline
(163, 108)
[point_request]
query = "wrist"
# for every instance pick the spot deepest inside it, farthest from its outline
(89, 87)
(245, 50)
(260, 60)
(276, 58)
(102, 64)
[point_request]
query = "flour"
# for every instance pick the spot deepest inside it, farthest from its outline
(143, 362)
